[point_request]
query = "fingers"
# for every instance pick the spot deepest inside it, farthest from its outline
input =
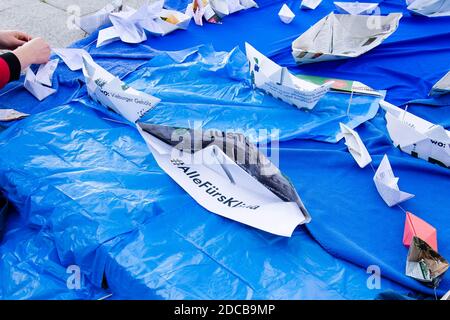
(22, 36)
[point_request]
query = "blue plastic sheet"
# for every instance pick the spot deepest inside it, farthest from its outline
(106, 205)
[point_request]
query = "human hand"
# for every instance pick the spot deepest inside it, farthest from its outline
(11, 40)
(36, 51)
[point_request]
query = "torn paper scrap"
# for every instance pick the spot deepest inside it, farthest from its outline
(112, 93)
(356, 8)
(442, 86)
(429, 8)
(424, 264)
(345, 86)
(286, 15)
(11, 115)
(416, 227)
(73, 58)
(310, 4)
(36, 88)
(91, 23)
(416, 136)
(387, 184)
(355, 146)
(280, 83)
(343, 36)
(227, 175)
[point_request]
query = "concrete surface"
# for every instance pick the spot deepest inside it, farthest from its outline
(51, 19)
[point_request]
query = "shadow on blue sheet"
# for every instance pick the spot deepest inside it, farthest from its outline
(108, 208)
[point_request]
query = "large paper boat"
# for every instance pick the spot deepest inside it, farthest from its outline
(343, 36)
(227, 175)
(112, 93)
(280, 83)
(416, 136)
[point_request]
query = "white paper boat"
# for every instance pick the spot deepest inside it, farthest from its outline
(343, 36)
(442, 86)
(387, 184)
(355, 146)
(416, 136)
(90, 23)
(112, 93)
(254, 193)
(39, 84)
(280, 83)
(310, 4)
(429, 8)
(11, 115)
(167, 22)
(356, 8)
(286, 15)
(214, 10)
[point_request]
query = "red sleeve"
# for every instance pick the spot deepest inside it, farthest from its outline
(5, 74)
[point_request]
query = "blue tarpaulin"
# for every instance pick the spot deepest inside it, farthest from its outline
(85, 184)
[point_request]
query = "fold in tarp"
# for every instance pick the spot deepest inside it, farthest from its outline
(92, 185)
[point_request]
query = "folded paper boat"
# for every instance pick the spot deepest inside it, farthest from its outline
(227, 175)
(343, 36)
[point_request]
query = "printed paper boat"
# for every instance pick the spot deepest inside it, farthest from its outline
(356, 8)
(416, 136)
(112, 93)
(286, 15)
(414, 226)
(280, 83)
(355, 146)
(442, 86)
(387, 184)
(424, 264)
(227, 175)
(310, 4)
(429, 8)
(343, 36)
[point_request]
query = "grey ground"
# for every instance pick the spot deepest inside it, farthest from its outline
(50, 19)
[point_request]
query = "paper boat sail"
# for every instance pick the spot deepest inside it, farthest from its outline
(112, 93)
(280, 83)
(310, 4)
(227, 175)
(355, 146)
(424, 264)
(442, 86)
(387, 184)
(416, 136)
(356, 8)
(429, 8)
(343, 36)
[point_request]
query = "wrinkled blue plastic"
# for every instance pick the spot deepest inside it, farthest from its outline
(93, 186)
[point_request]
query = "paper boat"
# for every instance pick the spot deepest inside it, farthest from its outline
(310, 4)
(355, 146)
(424, 264)
(416, 227)
(214, 10)
(39, 84)
(11, 115)
(416, 136)
(343, 36)
(442, 86)
(286, 15)
(356, 8)
(112, 93)
(387, 184)
(227, 175)
(168, 21)
(429, 8)
(280, 83)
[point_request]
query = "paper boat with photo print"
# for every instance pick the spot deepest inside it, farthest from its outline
(280, 83)
(416, 136)
(227, 175)
(112, 93)
(343, 36)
